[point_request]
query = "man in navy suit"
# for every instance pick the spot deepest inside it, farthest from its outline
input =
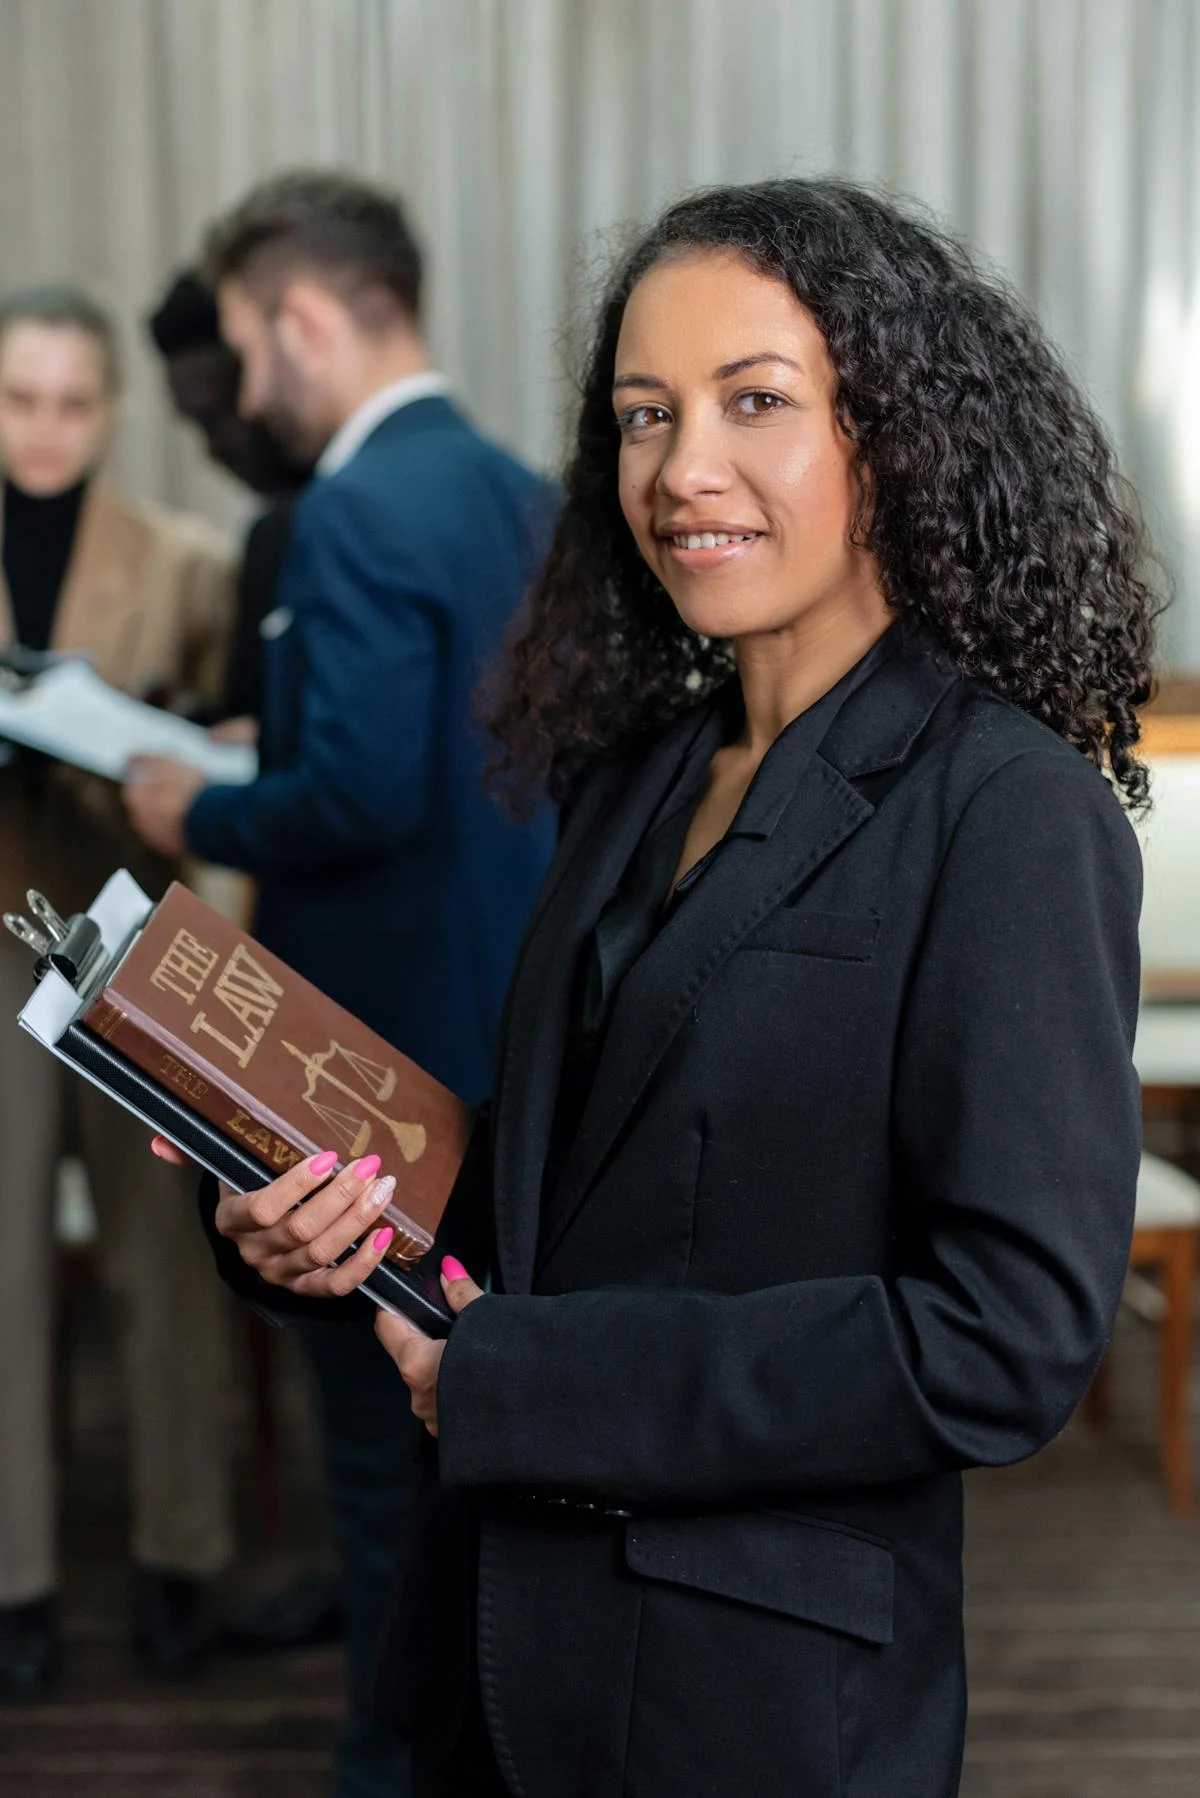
(386, 875)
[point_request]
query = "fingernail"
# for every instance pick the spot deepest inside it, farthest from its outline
(381, 1239)
(323, 1163)
(454, 1270)
(367, 1168)
(382, 1190)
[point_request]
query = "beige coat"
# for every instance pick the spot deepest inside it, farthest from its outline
(149, 596)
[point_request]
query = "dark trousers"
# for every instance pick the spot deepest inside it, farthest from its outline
(468, 1770)
(370, 1440)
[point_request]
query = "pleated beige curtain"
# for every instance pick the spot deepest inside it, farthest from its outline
(1064, 135)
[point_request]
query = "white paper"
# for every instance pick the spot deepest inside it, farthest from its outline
(70, 713)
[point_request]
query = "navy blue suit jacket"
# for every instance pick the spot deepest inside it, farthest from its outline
(386, 874)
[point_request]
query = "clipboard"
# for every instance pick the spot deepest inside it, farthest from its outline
(74, 962)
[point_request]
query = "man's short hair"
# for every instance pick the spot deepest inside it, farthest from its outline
(64, 306)
(351, 236)
(186, 317)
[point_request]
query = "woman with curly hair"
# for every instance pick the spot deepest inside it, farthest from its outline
(809, 1173)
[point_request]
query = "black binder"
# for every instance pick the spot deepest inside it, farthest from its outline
(71, 969)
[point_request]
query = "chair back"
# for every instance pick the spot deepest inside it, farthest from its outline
(1170, 839)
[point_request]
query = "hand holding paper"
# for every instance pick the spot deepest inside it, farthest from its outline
(157, 794)
(70, 713)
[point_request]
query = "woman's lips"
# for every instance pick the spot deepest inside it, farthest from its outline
(709, 549)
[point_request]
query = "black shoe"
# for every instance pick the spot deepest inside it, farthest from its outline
(30, 1650)
(172, 1623)
(304, 1614)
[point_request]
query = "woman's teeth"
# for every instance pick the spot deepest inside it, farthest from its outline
(710, 539)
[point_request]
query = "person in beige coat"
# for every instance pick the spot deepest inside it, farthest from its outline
(147, 595)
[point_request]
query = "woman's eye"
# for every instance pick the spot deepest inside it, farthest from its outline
(758, 403)
(638, 419)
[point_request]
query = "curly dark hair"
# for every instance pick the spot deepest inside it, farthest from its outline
(996, 516)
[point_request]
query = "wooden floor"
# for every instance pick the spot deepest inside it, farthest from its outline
(1084, 1629)
(249, 1727)
(1084, 1614)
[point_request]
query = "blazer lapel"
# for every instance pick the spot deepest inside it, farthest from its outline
(8, 624)
(96, 610)
(747, 880)
(599, 840)
(8, 629)
(99, 608)
(875, 729)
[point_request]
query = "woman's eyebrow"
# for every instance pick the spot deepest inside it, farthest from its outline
(724, 373)
(639, 381)
(744, 362)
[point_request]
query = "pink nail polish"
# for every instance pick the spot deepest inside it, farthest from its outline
(323, 1164)
(454, 1270)
(367, 1168)
(381, 1239)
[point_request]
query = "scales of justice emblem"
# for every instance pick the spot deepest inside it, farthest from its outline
(353, 1128)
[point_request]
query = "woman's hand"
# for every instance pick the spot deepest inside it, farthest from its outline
(293, 1244)
(418, 1358)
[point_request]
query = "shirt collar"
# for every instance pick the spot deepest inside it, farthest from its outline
(349, 438)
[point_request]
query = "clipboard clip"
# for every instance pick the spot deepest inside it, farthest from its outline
(72, 947)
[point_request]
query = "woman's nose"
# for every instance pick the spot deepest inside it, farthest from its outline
(694, 464)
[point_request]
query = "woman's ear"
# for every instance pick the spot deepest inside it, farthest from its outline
(860, 474)
(846, 424)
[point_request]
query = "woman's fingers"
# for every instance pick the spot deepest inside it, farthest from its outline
(303, 1242)
(240, 1214)
(254, 1212)
(396, 1332)
(458, 1286)
(419, 1361)
(293, 1239)
(166, 1151)
(348, 1276)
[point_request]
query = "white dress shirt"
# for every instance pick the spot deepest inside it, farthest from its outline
(349, 438)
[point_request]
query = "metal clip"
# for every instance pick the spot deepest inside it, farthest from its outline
(25, 933)
(47, 917)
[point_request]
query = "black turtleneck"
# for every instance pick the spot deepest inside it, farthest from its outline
(39, 535)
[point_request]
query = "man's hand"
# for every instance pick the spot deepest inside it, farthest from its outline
(235, 730)
(157, 793)
(418, 1358)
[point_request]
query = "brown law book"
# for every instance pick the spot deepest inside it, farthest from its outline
(275, 1065)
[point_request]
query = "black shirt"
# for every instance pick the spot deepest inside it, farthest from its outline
(39, 536)
(644, 898)
(258, 583)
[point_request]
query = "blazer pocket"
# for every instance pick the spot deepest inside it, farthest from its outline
(812, 1571)
(840, 936)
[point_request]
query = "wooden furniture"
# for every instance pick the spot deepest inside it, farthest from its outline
(1165, 1237)
(1167, 1056)
(1170, 838)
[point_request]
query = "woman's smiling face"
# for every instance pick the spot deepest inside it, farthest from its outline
(736, 478)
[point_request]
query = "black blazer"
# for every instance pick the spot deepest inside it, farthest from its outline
(849, 1211)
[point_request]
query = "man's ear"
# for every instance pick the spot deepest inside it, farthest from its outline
(308, 320)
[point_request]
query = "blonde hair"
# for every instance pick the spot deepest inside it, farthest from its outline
(64, 306)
